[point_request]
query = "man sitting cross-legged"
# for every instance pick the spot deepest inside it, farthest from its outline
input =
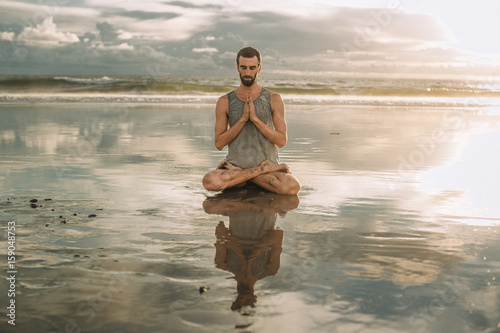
(251, 120)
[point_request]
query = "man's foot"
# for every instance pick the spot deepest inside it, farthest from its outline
(267, 166)
(226, 165)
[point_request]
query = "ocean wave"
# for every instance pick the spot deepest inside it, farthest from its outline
(294, 90)
(96, 80)
(210, 100)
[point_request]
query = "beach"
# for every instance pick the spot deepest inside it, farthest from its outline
(396, 227)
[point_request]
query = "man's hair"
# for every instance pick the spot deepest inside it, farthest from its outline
(248, 52)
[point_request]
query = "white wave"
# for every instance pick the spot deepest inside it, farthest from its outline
(211, 99)
(97, 80)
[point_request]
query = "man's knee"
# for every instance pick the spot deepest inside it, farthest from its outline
(212, 182)
(291, 186)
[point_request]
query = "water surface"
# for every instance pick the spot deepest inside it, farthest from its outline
(396, 228)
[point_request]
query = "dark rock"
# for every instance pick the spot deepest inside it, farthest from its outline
(76, 256)
(203, 289)
(242, 326)
(92, 215)
(48, 199)
(33, 206)
(33, 200)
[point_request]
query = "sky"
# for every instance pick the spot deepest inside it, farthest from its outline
(407, 38)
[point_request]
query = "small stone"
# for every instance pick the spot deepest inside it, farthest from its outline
(33, 200)
(242, 326)
(48, 199)
(92, 215)
(76, 256)
(63, 222)
(60, 216)
(47, 225)
(203, 289)
(33, 206)
(75, 214)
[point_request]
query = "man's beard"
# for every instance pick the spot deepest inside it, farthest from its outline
(248, 81)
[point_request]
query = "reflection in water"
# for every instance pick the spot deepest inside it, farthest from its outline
(251, 246)
(377, 245)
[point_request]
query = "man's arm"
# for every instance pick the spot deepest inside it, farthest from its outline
(224, 134)
(277, 135)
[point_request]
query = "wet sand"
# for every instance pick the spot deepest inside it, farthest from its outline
(396, 228)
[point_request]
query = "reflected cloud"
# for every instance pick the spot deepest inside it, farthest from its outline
(250, 247)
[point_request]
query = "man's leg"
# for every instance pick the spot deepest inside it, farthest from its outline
(278, 182)
(228, 175)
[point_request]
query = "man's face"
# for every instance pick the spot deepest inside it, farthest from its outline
(248, 69)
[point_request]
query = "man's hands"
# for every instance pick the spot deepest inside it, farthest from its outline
(249, 110)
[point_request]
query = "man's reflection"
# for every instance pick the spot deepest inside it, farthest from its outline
(251, 246)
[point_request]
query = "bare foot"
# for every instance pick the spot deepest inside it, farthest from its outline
(270, 167)
(226, 165)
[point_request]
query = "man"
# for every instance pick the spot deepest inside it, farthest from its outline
(251, 120)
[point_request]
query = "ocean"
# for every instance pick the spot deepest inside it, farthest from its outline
(301, 90)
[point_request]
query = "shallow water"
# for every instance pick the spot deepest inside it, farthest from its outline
(396, 228)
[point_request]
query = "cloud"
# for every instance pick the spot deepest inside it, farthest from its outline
(107, 32)
(102, 46)
(205, 50)
(46, 34)
(184, 4)
(142, 15)
(7, 36)
(205, 35)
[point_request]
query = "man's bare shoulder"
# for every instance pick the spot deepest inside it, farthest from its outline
(223, 99)
(223, 102)
(276, 99)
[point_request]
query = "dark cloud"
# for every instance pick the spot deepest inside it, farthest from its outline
(184, 4)
(141, 15)
(363, 28)
(89, 58)
(107, 32)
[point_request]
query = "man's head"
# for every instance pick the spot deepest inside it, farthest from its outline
(248, 63)
(248, 52)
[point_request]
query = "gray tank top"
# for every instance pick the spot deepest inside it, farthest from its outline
(250, 147)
